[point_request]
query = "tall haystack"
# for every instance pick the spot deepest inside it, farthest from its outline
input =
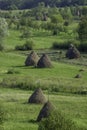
(32, 59)
(44, 62)
(37, 97)
(72, 52)
(45, 111)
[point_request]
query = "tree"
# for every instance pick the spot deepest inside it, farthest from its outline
(56, 19)
(82, 29)
(66, 13)
(57, 121)
(3, 30)
(84, 10)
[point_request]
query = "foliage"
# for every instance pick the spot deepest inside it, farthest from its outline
(57, 121)
(2, 116)
(83, 46)
(27, 46)
(3, 28)
(22, 116)
(65, 44)
(1, 47)
(26, 33)
(56, 19)
(84, 10)
(82, 29)
(12, 71)
(24, 4)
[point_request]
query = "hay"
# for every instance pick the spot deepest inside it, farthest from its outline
(72, 52)
(45, 111)
(37, 97)
(44, 62)
(32, 59)
(78, 76)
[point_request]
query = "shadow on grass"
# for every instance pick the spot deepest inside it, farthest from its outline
(32, 121)
(29, 121)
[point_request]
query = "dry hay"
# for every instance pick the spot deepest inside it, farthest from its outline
(32, 59)
(72, 52)
(37, 97)
(44, 62)
(45, 111)
(78, 76)
(81, 70)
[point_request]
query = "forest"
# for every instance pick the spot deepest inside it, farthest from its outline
(26, 4)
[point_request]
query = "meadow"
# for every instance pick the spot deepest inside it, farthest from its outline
(67, 93)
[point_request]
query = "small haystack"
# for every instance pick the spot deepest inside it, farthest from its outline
(37, 97)
(45, 111)
(72, 52)
(44, 62)
(32, 59)
(78, 76)
(81, 70)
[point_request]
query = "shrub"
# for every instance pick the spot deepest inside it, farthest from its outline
(62, 45)
(65, 44)
(11, 71)
(26, 34)
(2, 117)
(55, 32)
(66, 23)
(27, 46)
(57, 121)
(83, 46)
(1, 47)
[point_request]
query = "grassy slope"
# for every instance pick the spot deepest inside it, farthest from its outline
(42, 39)
(21, 116)
(61, 74)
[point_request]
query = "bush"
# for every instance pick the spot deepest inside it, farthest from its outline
(26, 34)
(27, 46)
(55, 32)
(83, 46)
(57, 121)
(66, 23)
(1, 47)
(2, 117)
(65, 44)
(11, 71)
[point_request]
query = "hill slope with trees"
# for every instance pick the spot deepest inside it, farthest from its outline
(25, 4)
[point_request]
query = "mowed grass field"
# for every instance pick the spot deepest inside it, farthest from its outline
(21, 116)
(66, 92)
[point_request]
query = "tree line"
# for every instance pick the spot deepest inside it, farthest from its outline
(25, 4)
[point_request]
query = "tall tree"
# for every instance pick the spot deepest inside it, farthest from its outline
(82, 30)
(3, 29)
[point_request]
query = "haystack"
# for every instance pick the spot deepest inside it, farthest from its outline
(32, 59)
(72, 52)
(44, 62)
(37, 97)
(45, 111)
(78, 76)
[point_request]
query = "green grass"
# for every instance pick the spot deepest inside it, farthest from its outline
(42, 38)
(60, 77)
(21, 116)
(59, 80)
